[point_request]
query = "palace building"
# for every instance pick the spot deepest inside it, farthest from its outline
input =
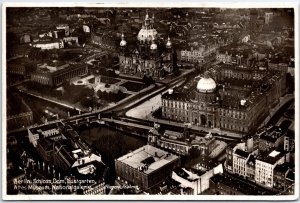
(150, 57)
(231, 101)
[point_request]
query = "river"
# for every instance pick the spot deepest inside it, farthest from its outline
(111, 144)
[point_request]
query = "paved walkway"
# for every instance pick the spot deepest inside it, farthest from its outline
(51, 100)
(198, 128)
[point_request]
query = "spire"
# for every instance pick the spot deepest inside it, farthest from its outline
(206, 74)
(147, 19)
(153, 19)
(169, 43)
(147, 15)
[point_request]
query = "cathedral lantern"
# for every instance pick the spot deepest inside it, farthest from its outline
(123, 44)
(169, 43)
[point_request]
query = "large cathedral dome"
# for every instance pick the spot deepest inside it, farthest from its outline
(206, 84)
(147, 34)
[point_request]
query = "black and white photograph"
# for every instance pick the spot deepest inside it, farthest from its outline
(158, 102)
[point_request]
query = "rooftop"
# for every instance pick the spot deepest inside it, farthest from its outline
(272, 134)
(45, 127)
(52, 66)
(271, 157)
(282, 168)
(242, 153)
(148, 159)
(239, 185)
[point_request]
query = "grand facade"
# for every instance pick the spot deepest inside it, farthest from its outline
(55, 75)
(232, 104)
(150, 58)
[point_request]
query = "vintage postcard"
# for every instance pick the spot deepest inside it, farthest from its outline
(145, 102)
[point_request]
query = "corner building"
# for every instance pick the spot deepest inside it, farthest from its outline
(146, 167)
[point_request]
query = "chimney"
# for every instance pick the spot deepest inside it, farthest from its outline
(243, 102)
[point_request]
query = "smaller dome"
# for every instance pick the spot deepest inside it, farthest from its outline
(169, 43)
(123, 42)
(153, 46)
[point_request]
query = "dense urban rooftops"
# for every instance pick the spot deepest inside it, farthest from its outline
(238, 185)
(45, 127)
(272, 134)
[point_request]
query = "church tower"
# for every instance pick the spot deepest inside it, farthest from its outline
(169, 49)
(153, 50)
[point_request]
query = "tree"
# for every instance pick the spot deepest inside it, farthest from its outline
(87, 102)
(81, 36)
(194, 152)
(30, 67)
(290, 83)
(148, 80)
(174, 60)
(11, 39)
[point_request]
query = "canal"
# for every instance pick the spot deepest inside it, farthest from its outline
(280, 112)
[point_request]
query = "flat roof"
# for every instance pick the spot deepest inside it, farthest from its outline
(274, 153)
(271, 157)
(136, 159)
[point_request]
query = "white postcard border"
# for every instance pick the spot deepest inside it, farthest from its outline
(290, 4)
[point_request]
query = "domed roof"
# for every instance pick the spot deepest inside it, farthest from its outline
(206, 85)
(147, 34)
(169, 43)
(153, 46)
(123, 42)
